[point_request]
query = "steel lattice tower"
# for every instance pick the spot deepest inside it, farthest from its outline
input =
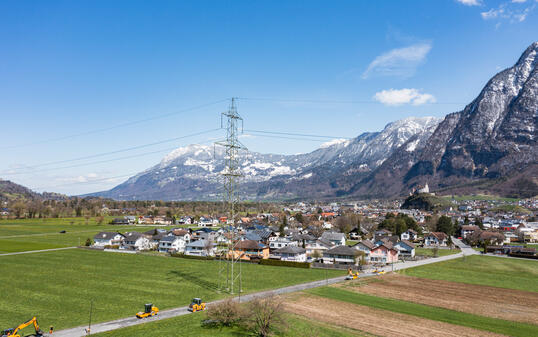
(231, 176)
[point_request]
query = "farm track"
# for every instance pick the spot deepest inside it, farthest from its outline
(508, 304)
(374, 321)
(37, 251)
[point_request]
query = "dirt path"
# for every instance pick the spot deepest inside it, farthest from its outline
(512, 305)
(374, 321)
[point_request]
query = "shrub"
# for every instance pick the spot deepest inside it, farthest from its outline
(88, 242)
(112, 247)
(226, 313)
(194, 257)
(270, 262)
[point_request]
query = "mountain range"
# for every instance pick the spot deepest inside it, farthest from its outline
(490, 146)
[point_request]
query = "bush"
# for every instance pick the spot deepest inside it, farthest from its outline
(194, 257)
(112, 247)
(270, 262)
(226, 313)
(88, 242)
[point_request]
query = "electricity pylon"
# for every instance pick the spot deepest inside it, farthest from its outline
(231, 176)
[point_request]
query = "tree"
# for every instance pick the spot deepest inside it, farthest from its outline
(466, 221)
(88, 242)
(478, 222)
(264, 315)
(444, 224)
(299, 217)
(281, 229)
(316, 255)
(435, 251)
(343, 224)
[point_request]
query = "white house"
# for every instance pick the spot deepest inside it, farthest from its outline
(282, 242)
(107, 239)
(291, 253)
(207, 222)
(410, 235)
(136, 241)
(318, 245)
(405, 248)
(435, 239)
(467, 230)
(172, 244)
(337, 239)
(366, 247)
(200, 248)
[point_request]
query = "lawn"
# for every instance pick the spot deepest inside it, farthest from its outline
(429, 312)
(483, 270)
(440, 252)
(34, 234)
(58, 286)
(190, 325)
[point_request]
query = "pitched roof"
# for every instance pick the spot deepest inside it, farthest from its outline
(341, 250)
(290, 250)
(106, 235)
(332, 236)
(407, 243)
(469, 228)
(250, 244)
(198, 243)
(439, 235)
(366, 243)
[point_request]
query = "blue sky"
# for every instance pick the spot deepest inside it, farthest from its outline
(69, 69)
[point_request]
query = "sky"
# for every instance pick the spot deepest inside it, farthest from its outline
(92, 92)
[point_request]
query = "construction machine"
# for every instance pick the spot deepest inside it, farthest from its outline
(149, 311)
(196, 305)
(379, 272)
(14, 332)
(352, 275)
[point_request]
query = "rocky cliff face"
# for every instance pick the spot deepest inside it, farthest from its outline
(492, 139)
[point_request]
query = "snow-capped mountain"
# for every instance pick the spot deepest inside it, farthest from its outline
(492, 145)
(194, 171)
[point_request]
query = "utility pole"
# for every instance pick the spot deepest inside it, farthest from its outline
(231, 175)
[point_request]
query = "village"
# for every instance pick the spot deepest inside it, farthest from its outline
(336, 235)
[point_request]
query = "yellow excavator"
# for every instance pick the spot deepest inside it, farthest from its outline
(149, 310)
(196, 305)
(352, 275)
(14, 332)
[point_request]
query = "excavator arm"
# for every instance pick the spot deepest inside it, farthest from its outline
(31, 321)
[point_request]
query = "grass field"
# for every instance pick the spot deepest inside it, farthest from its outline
(440, 252)
(483, 270)
(478, 197)
(429, 312)
(58, 286)
(35, 234)
(190, 325)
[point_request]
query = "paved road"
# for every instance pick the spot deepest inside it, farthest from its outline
(465, 249)
(130, 321)
(37, 251)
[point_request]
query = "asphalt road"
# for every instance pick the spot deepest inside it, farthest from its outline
(130, 321)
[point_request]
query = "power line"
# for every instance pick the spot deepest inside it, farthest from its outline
(329, 101)
(291, 134)
(116, 126)
(116, 151)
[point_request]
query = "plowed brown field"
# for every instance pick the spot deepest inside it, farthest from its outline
(512, 305)
(374, 321)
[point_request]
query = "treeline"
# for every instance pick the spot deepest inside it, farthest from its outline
(94, 207)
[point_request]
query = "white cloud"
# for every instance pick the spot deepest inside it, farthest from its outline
(403, 96)
(470, 2)
(519, 1)
(508, 13)
(401, 62)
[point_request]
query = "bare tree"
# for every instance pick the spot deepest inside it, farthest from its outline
(265, 316)
(225, 313)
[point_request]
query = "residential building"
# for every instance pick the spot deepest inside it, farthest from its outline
(410, 235)
(136, 241)
(107, 239)
(282, 242)
(291, 253)
(200, 248)
(249, 250)
(340, 255)
(406, 248)
(172, 244)
(436, 239)
(385, 253)
(337, 239)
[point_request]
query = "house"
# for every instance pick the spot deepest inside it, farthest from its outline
(120, 221)
(291, 253)
(200, 248)
(282, 242)
(146, 220)
(161, 220)
(207, 222)
(378, 235)
(185, 234)
(337, 239)
(366, 247)
(172, 244)
(385, 253)
(249, 250)
(340, 255)
(435, 239)
(357, 232)
(185, 220)
(406, 248)
(136, 241)
(204, 234)
(467, 230)
(130, 218)
(409, 235)
(317, 246)
(107, 239)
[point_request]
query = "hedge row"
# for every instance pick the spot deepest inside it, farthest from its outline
(270, 262)
(194, 257)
